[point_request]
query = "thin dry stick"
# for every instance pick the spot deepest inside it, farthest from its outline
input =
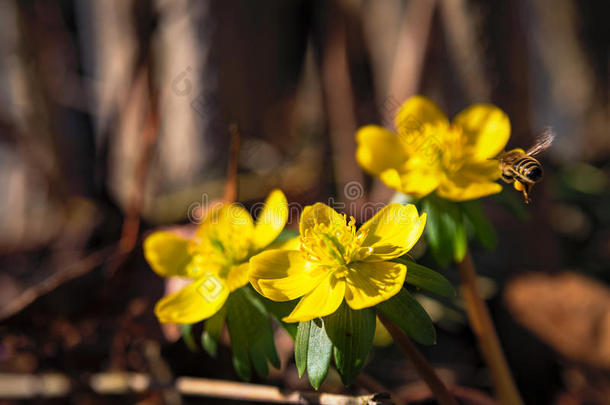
(72, 270)
(267, 394)
(25, 386)
(148, 137)
(424, 369)
(483, 327)
(231, 182)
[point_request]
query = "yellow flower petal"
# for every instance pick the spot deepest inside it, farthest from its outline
(283, 275)
(320, 213)
(416, 183)
(393, 231)
(378, 149)
(322, 301)
(167, 254)
(415, 113)
(238, 276)
(369, 284)
(471, 181)
(229, 217)
(231, 228)
(487, 128)
(198, 301)
(470, 192)
(271, 220)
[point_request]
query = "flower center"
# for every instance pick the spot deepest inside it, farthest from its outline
(336, 243)
(437, 145)
(219, 251)
(454, 151)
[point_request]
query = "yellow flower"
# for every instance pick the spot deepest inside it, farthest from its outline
(335, 261)
(216, 259)
(429, 153)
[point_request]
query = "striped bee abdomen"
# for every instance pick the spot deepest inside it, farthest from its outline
(528, 169)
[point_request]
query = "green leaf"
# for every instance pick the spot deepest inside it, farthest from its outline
(483, 229)
(301, 344)
(212, 329)
(408, 314)
(426, 279)
(251, 334)
(279, 310)
(351, 333)
(286, 234)
(445, 230)
(438, 236)
(319, 352)
(265, 344)
(187, 336)
(239, 337)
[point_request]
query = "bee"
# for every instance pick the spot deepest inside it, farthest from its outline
(521, 168)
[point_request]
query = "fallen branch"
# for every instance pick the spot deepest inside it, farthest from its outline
(23, 386)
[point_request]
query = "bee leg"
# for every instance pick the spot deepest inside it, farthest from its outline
(527, 188)
(507, 178)
(524, 188)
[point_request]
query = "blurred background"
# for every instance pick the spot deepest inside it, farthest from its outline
(114, 120)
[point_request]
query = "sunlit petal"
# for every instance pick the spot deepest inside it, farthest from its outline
(231, 229)
(320, 213)
(415, 113)
(469, 192)
(487, 128)
(271, 220)
(369, 284)
(393, 231)
(198, 301)
(378, 149)
(472, 181)
(283, 275)
(322, 301)
(167, 254)
(237, 276)
(416, 183)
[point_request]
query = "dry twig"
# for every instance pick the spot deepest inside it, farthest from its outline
(16, 386)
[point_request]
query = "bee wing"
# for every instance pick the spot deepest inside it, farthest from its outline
(543, 141)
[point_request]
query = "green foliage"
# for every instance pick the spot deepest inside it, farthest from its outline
(445, 230)
(212, 328)
(425, 278)
(313, 351)
(251, 334)
(404, 311)
(347, 334)
(187, 335)
(351, 332)
(286, 234)
(279, 310)
(481, 226)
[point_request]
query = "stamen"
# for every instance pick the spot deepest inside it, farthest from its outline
(336, 242)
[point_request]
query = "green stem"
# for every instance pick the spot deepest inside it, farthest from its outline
(424, 369)
(483, 328)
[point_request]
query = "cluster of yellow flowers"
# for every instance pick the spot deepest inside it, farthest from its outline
(332, 261)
